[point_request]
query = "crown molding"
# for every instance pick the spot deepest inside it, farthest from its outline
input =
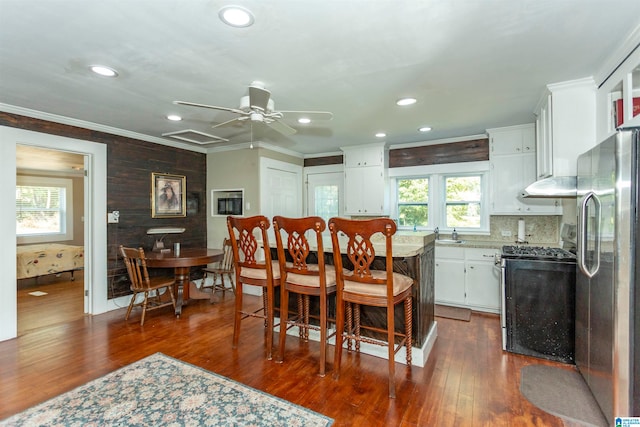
(7, 108)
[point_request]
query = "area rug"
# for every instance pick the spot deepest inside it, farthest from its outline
(159, 390)
(562, 393)
(456, 313)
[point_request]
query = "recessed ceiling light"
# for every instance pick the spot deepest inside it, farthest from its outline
(425, 129)
(304, 120)
(236, 16)
(174, 117)
(103, 70)
(380, 135)
(406, 101)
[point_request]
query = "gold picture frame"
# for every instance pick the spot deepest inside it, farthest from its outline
(168, 195)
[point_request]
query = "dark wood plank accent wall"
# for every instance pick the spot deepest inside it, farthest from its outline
(454, 152)
(130, 163)
(323, 161)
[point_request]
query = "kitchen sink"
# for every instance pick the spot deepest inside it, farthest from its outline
(450, 241)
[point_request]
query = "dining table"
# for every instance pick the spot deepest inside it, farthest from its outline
(181, 262)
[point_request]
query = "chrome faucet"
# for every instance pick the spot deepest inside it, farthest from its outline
(437, 231)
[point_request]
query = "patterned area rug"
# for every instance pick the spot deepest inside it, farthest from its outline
(159, 390)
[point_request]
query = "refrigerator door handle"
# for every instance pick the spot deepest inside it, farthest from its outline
(582, 235)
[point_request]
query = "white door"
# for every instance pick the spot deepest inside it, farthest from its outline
(280, 189)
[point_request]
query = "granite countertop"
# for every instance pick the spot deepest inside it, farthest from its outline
(404, 244)
(489, 244)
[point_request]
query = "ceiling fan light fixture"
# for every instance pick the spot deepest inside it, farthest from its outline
(406, 101)
(236, 16)
(425, 129)
(104, 71)
(380, 135)
(304, 120)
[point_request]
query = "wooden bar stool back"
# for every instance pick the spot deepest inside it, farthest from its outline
(303, 276)
(141, 283)
(367, 286)
(252, 270)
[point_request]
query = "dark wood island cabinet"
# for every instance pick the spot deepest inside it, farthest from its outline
(414, 257)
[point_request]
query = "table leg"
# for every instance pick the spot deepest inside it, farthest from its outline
(182, 292)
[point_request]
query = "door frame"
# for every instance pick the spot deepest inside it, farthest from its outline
(95, 212)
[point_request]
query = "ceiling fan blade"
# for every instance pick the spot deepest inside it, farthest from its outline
(212, 107)
(229, 122)
(313, 115)
(281, 127)
(259, 97)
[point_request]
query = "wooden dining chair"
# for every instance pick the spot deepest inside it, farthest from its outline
(220, 269)
(141, 283)
(303, 277)
(251, 270)
(367, 286)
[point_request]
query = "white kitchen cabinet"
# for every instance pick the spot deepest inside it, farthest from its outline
(449, 276)
(512, 140)
(513, 168)
(365, 180)
(482, 278)
(565, 125)
(467, 277)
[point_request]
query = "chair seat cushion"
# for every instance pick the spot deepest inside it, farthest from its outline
(313, 281)
(261, 273)
(400, 284)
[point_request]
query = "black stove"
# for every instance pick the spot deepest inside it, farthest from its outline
(537, 253)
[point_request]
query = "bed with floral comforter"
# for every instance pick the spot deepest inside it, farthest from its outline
(48, 258)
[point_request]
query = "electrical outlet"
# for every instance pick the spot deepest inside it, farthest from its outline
(505, 233)
(113, 217)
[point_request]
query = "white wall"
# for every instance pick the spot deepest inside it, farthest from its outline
(95, 220)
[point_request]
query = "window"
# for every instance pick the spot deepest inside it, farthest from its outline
(446, 196)
(324, 192)
(463, 195)
(413, 202)
(326, 201)
(43, 209)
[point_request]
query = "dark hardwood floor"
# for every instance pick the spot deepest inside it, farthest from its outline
(467, 381)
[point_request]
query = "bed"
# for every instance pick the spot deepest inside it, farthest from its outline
(48, 258)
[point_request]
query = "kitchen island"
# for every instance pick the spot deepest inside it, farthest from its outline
(413, 256)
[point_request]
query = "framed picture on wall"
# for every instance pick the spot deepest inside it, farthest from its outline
(168, 199)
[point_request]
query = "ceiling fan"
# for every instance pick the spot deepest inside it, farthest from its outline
(259, 107)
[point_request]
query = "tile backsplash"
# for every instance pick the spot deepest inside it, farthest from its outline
(542, 229)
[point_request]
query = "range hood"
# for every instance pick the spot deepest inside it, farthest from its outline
(553, 187)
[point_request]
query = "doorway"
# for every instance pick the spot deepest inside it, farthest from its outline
(95, 230)
(50, 236)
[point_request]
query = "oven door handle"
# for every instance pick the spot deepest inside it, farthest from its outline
(583, 235)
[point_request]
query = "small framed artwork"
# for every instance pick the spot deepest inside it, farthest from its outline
(168, 195)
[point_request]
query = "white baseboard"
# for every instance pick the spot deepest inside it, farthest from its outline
(419, 356)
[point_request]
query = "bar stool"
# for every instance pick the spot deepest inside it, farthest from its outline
(303, 278)
(249, 270)
(364, 286)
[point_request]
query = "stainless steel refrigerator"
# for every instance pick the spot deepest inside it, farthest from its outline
(607, 295)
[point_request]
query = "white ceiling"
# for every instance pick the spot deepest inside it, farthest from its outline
(472, 64)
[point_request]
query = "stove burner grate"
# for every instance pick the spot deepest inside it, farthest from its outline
(536, 252)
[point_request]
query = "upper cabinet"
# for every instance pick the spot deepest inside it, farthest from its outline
(565, 126)
(513, 167)
(512, 140)
(365, 180)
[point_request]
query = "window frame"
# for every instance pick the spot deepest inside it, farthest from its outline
(437, 175)
(66, 211)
